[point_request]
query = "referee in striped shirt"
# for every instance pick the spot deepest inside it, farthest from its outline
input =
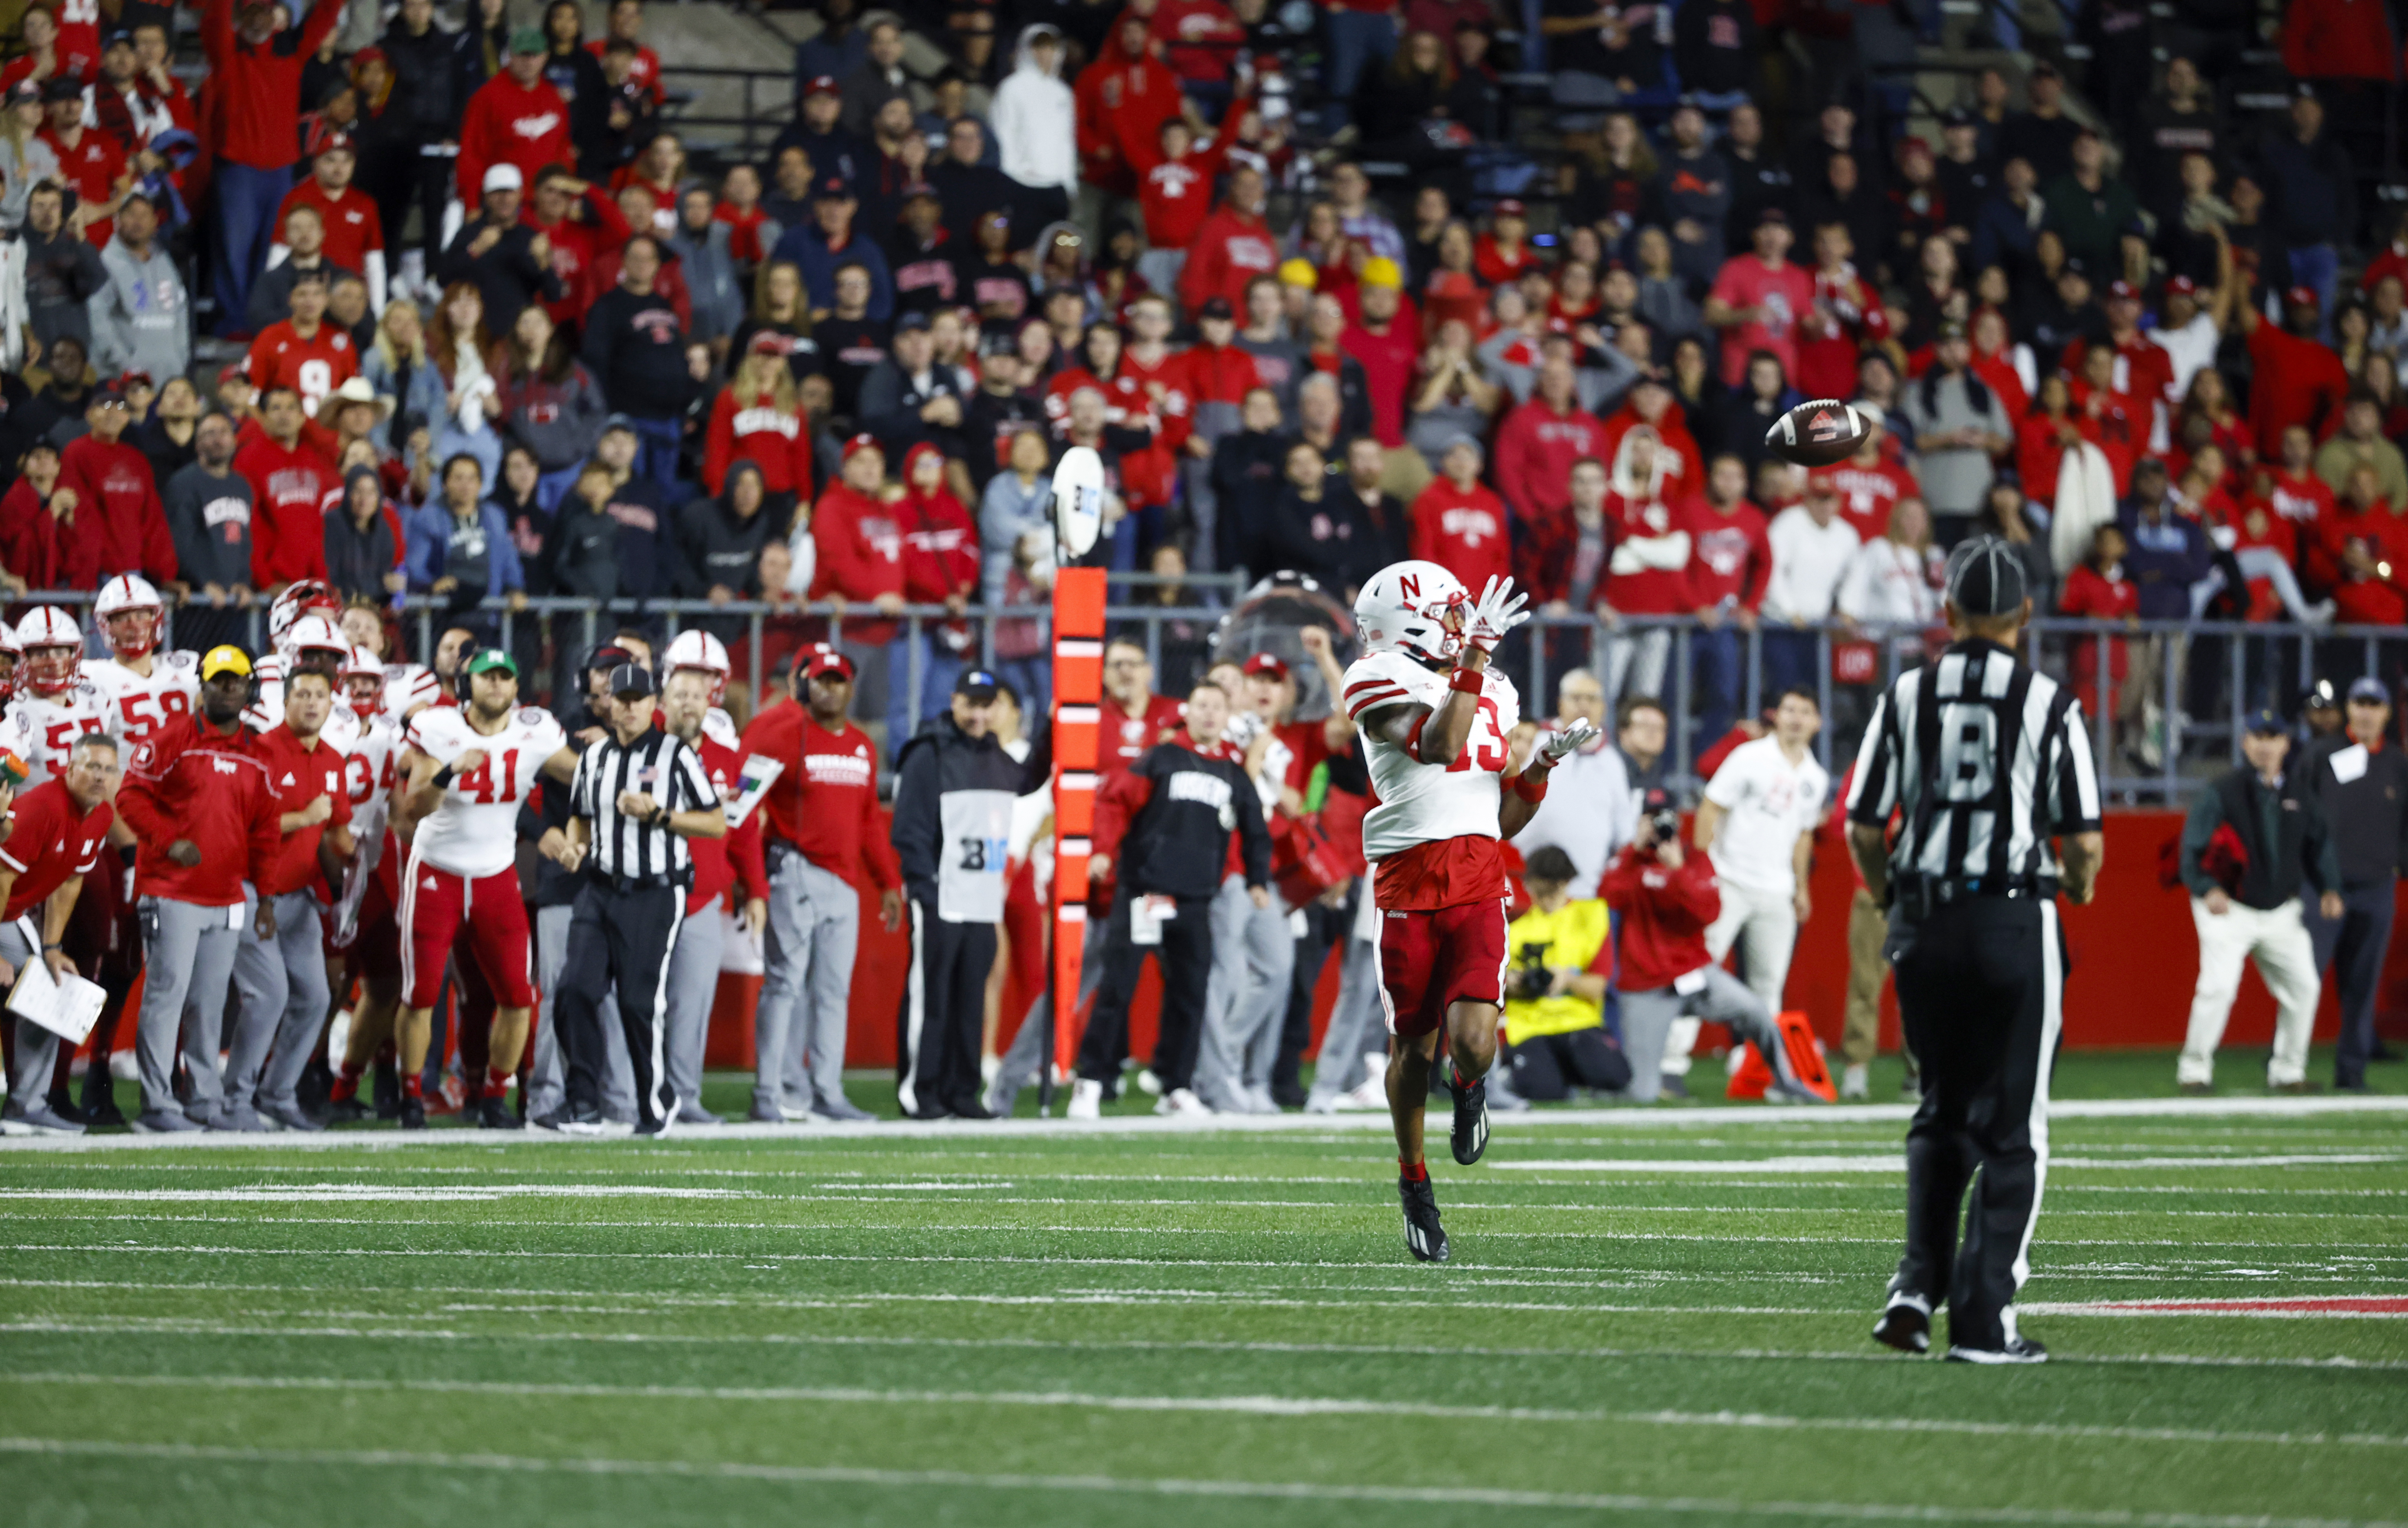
(639, 794)
(1982, 761)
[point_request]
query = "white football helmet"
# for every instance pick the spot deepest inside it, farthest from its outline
(12, 657)
(362, 678)
(53, 645)
(315, 635)
(1403, 608)
(129, 612)
(695, 649)
(303, 597)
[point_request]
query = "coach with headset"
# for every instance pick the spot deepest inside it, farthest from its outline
(1982, 761)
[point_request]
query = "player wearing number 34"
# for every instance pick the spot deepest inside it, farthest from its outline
(1434, 719)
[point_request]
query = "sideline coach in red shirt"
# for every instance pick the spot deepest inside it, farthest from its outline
(55, 834)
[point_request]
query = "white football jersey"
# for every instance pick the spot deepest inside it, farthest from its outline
(409, 685)
(372, 764)
(139, 709)
(475, 832)
(1425, 803)
(42, 730)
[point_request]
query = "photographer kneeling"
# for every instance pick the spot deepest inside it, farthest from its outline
(1668, 896)
(1555, 1001)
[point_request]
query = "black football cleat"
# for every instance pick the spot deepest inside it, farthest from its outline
(346, 1111)
(412, 1113)
(2017, 1351)
(1470, 1137)
(1425, 1238)
(495, 1113)
(1905, 1324)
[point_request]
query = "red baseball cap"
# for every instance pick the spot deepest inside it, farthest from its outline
(2181, 286)
(820, 660)
(825, 85)
(2301, 296)
(769, 342)
(1264, 663)
(863, 441)
(2123, 291)
(1509, 208)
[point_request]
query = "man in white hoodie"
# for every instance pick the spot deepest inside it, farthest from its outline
(1036, 124)
(1811, 548)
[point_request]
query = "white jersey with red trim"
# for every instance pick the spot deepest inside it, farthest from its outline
(409, 685)
(42, 730)
(372, 764)
(1419, 803)
(474, 832)
(139, 707)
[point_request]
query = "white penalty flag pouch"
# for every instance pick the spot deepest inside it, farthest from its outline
(67, 1008)
(1078, 501)
(1147, 914)
(753, 783)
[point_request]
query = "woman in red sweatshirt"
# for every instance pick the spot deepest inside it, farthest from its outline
(759, 417)
(940, 567)
(858, 539)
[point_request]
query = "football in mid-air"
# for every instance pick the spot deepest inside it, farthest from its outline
(1817, 433)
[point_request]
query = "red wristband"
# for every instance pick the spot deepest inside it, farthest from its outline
(1522, 788)
(1466, 681)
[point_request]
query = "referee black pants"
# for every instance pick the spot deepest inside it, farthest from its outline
(1186, 952)
(1980, 990)
(944, 1009)
(619, 940)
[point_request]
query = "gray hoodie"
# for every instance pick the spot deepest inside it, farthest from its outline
(711, 280)
(141, 320)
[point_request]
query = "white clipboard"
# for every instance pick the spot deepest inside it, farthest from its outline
(67, 1008)
(753, 783)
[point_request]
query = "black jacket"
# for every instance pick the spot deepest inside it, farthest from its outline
(423, 88)
(1247, 479)
(507, 275)
(952, 817)
(636, 349)
(2368, 812)
(890, 405)
(582, 551)
(1183, 808)
(2281, 829)
(721, 547)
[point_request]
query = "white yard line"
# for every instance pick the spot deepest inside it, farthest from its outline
(1249, 1405)
(1889, 1163)
(1506, 1126)
(1240, 1490)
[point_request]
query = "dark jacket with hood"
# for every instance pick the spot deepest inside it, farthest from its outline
(952, 817)
(358, 559)
(722, 548)
(583, 545)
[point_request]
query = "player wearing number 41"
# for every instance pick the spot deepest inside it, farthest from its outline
(468, 767)
(1434, 718)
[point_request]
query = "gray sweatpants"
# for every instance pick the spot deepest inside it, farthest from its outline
(1358, 1025)
(547, 1072)
(1245, 999)
(1647, 1018)
(1024, 1060)
(37, 1048)
(693, 982)
(807, 979)
(188, 953)
(281, 985)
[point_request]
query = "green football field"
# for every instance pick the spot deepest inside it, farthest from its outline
(1651, 1316)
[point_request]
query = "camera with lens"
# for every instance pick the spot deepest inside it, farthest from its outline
(1532, 980)
(1664, 825)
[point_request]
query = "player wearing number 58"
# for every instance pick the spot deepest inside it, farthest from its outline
(954, 792)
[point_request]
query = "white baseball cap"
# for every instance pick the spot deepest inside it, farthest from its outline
(503, 178)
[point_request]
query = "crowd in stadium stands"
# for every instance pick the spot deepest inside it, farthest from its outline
(2156, 357)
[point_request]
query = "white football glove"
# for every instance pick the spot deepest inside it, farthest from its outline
(1571, 739)
(1497, 611)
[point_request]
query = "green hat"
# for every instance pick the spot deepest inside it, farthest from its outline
(528, 39)
(491, 658)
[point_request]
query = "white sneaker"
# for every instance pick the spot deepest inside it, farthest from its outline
(988, 1067)
(1182, 1102)
(1087, 1099)
(1259, 1100)
(1370, 1096)
(1855, 1081)
(1148, 1082)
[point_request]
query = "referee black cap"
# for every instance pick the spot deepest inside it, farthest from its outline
(631, 679)
(1986, 578)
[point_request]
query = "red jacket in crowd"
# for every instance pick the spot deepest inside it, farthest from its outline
(1664, 914)
(1231, 249)
(735, 860)
(1175, 195)
(312, 366)
(776, 441)
(1536, 448)
(940, 543)
(113, 484)
(511, 124)
(1465, 531)
(1729, 556)
(1652, 590)
(50, 839)
(2326, 40)
(257, 90)
(2297, 381)
(1388, 362)
(289, 485)
(1867, 494)
(353, 230)
(2377, 598)
(860, 544)
(1680, 466)
(192, 782)
(577, 244)
(1222, 375)
(1121, 99)
(31, 538)
(90, 170)
(838, 773)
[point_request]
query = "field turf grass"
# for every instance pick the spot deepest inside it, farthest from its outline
(1651, 1316)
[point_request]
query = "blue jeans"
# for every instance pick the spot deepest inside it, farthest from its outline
(551, 487)
(1720, 659)
(939, 666)
(1358, 39)
(1789, 659)
(2317, 267)
(656, 452)
(247, 200)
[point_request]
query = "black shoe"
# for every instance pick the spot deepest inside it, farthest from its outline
(970, 1109)
(492, 1114)
(62, 1104)
(2382, 1053)
(98, 1111)
(385, 1088)
(1425, 1238)
(1470, 1137)
(645, 1127)
(316, 1087)
(1289, 1094)
(1904, 1325)
(347, 1111)
(2019, 1351)
(412, 1114)
(1672, 1086)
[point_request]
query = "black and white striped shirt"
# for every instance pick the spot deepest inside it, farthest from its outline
(659, 765)
(1984, 759)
